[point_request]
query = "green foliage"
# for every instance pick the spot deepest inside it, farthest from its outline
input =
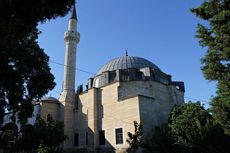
(42, 149)
(43, 136)
(9, 133)
(193, 126)
(161, 140)
(20, 17)
(190, 129)
(216, 63)
(79, 89)
(5, 137)
(28, 141)
(187, 123)
(24, 70)
(25, 75)
(135, 139)
(221, 105)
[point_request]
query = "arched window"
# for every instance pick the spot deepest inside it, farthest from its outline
(97, 83)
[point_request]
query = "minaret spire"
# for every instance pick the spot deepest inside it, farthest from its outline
(73, 13)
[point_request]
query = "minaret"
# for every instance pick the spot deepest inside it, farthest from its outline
(68, 97)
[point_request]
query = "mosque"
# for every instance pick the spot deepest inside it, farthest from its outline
(124, 90)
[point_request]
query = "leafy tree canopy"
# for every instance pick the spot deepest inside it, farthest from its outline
(161, 140)
(20, 17)
(216, 37)
(193, 126)
(8, 133)
(186, 122)
(46, 135)
(216, 63)
(24, 70)
(135, 139)
(24, 76)
(190, 129)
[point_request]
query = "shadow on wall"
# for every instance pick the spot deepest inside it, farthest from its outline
(89, 135)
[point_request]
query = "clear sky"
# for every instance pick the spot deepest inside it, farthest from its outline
(161, 31)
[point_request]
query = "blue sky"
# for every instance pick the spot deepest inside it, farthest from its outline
(160, 31)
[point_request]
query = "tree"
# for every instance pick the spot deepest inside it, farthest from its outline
(44, 135)
(24, 70)
(193, 126)
(28, 140)
(53, 136)
(9, 133)
(135, 139)
(25, 75)
(161, 140)
(42, 149)
(216, 63)
(20, 17)
(79, 89)
(186, 122)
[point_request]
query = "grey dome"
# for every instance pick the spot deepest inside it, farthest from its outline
(49, 99)
(126, 62)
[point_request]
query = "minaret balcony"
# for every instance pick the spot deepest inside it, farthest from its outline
(72, 36)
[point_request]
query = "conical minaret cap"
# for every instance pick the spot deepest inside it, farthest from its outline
(73, 13)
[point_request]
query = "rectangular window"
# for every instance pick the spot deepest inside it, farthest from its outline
(112, 76)
(119, 136)
(102, 137)
(125, 75)
(86, 138)
(76, 139)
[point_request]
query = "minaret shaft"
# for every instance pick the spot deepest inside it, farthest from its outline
(71, 38)
(72, 25)
(70, 68)
(68, 97)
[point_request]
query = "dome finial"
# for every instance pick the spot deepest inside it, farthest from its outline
(126, 52)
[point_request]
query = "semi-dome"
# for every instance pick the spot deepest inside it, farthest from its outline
(49, 99)
(126, 62)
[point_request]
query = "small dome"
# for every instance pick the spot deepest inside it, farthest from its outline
(126, 62)
(50, 99)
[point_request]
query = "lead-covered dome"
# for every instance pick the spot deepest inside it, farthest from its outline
(126, 62)
(50, 99)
